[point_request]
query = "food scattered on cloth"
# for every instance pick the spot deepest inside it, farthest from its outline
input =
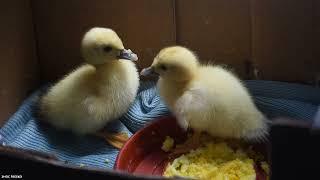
(106, 161)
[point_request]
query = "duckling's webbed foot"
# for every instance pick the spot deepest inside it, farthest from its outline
(117, 140)
(192, 143)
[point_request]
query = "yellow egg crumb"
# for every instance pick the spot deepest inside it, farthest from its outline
(214, 161)
(106, 161)
(167, 144)
(265, 167)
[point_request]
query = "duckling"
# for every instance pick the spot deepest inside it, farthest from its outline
(206, 98)
(98, 92)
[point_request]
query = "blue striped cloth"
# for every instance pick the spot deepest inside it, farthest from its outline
(23, 130)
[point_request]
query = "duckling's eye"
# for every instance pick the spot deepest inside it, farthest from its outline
(163, 67)
(107, 49)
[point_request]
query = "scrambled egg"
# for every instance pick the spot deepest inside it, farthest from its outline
(214, 161)
(265, 167)
(167, 144)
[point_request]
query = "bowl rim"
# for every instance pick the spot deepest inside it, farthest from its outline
(133, 138)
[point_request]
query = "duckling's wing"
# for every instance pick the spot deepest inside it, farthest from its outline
(191, 100)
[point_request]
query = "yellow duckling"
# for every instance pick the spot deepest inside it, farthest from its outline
(206, 98)
(96, 93)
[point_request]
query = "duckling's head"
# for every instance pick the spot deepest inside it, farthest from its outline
(174, 63)
(103, 45)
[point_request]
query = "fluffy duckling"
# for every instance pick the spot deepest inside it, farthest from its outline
(96, 93)
(206, 98)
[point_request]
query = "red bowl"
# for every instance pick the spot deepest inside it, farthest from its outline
(142, 153)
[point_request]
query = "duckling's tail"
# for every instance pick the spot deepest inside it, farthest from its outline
(260, 134)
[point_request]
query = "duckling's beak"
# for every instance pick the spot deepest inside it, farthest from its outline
(148, 71)
(128, 55)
